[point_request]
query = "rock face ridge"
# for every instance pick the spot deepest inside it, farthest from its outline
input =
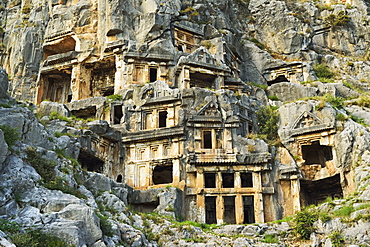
(165, 100)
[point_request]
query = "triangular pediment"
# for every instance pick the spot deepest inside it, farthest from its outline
(210, 110)
(202, 55)
(305, 120)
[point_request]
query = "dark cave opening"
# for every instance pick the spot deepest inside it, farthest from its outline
(315, 192)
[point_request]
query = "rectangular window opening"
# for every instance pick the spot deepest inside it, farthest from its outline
(209, 180)
(117, 114)
(162, 119)
(227, 180)
(247, 180)
(207, 139)
(153, 74)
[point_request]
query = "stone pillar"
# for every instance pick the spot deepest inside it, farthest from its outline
(219, 210)
(163, 74)
(80, 82)
(219, 82)
(238, 181)
(184, 78)
(176, 171)
(119, 80)
(258, 198)
(40, 90)
(239, 209)
(218, 180)
(295, 188)
(200, 197)
(170, 117)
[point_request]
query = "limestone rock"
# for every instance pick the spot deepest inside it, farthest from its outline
(3, 148)
(286, 91)
(46, 108)
(83, 217)
(170, 202)
(98, 126)
(5, 242)
(3, 84)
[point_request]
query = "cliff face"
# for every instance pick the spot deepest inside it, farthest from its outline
(218, 112)
(32, 31)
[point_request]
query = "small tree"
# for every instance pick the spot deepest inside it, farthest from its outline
(268, 119)
(303, 223)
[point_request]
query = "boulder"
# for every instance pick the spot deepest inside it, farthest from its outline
(287, 91)
(98, 126)
(46, 108)
(79, 225)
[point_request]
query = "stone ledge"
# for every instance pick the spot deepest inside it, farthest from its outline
(146, 135)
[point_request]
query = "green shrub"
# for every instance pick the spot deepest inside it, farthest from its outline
(43, 166)
(324, 217)
(363, 101)
(303, 223)
(340, 117)
(336, 102)
(264, 87)
(323, 71)
(55, 115)
(105, 225)
(35, 238)
(270, 238)
(9, 227)
(46, 169)
(114, 97)
(341, 19)
(336, 239)
(358, 120)
(273, 97)
(344, 211)
(11, 135)
(268, 120)
(5, 105)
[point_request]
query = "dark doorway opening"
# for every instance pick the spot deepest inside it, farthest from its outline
(229, 210)
(117, 114)
(210, 202)
(107, 91)
(162, 174)
(315, 192)
(88, 112)
(280, 78)
(162, 119)
(207, 139)
(119, 178)
(90, 162)
(147, 207)
(248, 206)
(316, 154)
(153, 74)
(247, 180)
(209, 180)
(227, 180)
(202, 80)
